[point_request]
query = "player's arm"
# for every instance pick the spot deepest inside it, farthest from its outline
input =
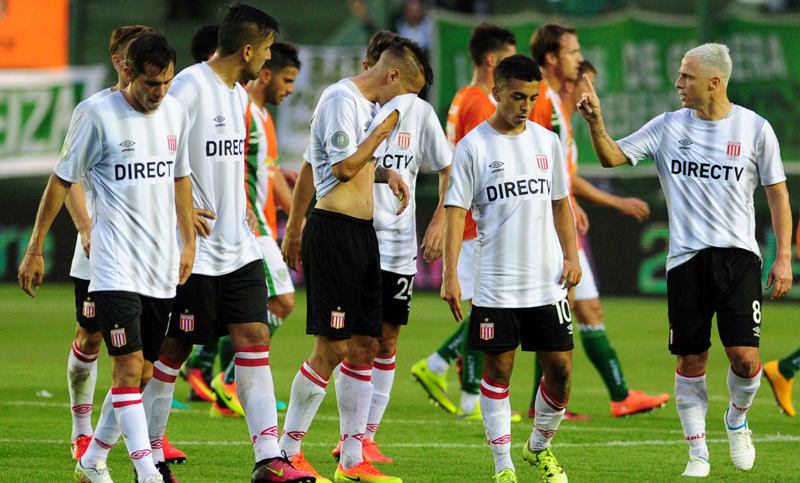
(31, 270)
(607, 150)
(185, 212)
(586, 191)
(396, 184)
(282, 192)
(432, 241)
(781, 272)
(349, 167)
(453, 237)
(565, 229)
(76, 205)
(303, 192)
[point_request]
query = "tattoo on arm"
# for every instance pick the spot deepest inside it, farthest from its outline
(381, 175)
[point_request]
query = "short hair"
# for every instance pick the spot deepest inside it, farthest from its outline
(716, 57)
(487, 38)
(585, 67)
(204, 42)
(410, 55)
(244, 25)
(547, 39)
(122, 36)
(284, 54)
(150, 49)
(377, 44)
(519, 67)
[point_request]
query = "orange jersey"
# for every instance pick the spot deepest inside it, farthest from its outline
(470, 107)
(261, 158)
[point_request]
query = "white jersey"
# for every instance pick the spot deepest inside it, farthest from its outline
(216, 151)
(132, 160)
(709, 171)
(510, 183)
(420, 138)
(80, 264)
(338, 125)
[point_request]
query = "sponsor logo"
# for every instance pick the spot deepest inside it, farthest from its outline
(496, 164)
(373, 427)
(82, 408)
(541, 161)
(547, 433)
(734, 148)
(295, 435)
(570, 329)
(148, 170)
(271, 431)
(220, 121)
(337, 319)
(404, 140)
(502, 440)
(127, 146)
(172, 142)
(487, 330)
(521, 187)
(137, 455)
(757, 331)
(118, 338)
(685, 144)
(696, 436)
(88, 309)
(187, 322)
(340, 140)
(225, 147)
(706, 170)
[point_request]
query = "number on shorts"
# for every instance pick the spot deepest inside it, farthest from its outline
(562, 307)
(756, 311)
(405, 290)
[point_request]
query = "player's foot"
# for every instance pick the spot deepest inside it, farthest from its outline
(363, 472)
(781, 387)
(475, 415)
(196, 378)
(92, 475)
(371, 452)
(549, 468)
(171, 453)
(179, 405)
(279, 470)
(80, 445)
(743, 453)
(166, 473)
(637, 402)
(505, 476)
(227, 393)
(157, 478)
(300, 462)
(221, 411)
(697, 466)
(434, 385)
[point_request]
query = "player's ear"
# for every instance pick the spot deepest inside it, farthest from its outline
(550, 58)
(365, 65)
(392, 75)
(128, 74)
(264, 76)
(118, 62)
(496, 93)
(491, 59)
(247, 52)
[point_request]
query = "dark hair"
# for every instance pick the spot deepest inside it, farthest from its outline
(585, 67)
(519, 67)
(411, 55)
(150, 50)
(122, 36)
(204, 42)
(548, 39)
(244, 25)
(487, 38)
(284, 54)
(377, 44)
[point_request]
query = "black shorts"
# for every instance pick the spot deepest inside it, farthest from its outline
(85, 306)
(547, 328)
(397, 291)
(725, 281)
(206, 304)
(342, 269)
(131, 322)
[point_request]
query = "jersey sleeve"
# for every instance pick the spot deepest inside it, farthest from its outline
(182, 165)
(82, 149)
(435, 149)
(339, 129)
(643, 143)
(560, 175)
(184, 91)
(460, 188)
(768, 157)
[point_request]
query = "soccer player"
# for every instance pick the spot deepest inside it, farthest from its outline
(709, 156)
(472, 104)
(509, 171)
(340, 254)
(229, 289)
(780, 375)
(557, 50)
(134, 152)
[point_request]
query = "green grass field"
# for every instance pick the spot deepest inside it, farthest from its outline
(427, 444)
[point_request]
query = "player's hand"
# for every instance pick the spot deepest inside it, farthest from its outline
(399, 189)
(581, 220)
(451, 293)
(290, 246)
(200, 224)
(30, 273)
(781, 276)
(571, 274)
(636, 208)
(187, 263)
(252, 221)
(290, 175)
(589, 103)
(86, 241)
(432, 241)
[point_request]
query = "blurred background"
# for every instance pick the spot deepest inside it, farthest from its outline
(54, 53)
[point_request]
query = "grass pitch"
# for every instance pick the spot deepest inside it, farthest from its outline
(427, 444)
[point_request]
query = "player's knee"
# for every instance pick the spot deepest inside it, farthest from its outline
(744, 363)
(252, 334)
(387, 345)
(282, 305)
(560, 373)
(126, 369)
(176, 350)
(88, 342)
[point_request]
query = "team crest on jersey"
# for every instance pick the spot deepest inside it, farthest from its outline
(88, 308)
(487, 331)
(337, 319)
(541, 161)
(282, 275)
(340, 140)
(65, 151)
(734, 148)
(186, 322)
(172, 142)
(118, 338)
(404, 140)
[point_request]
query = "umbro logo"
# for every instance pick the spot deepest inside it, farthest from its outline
(685, 144)
(127, 145)
(220, 120)
(496, 164)
(497, 167)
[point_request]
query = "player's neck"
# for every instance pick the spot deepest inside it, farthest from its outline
(551, 80)
(483, 77)
(715, 110)
(229, 69)
(499, 124)
(369, 84)
(255, 92)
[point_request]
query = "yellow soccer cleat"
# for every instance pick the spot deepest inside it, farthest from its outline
(227, 393)
(434, 385)
(545, 460)
(781, 387)
(505, 476)
(363, 472)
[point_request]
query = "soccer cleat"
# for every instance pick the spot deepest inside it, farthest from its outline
(697, 466)
(80, 445)
(743, 453)
(171, 453)
(550, 470)
(157, 478)
(196, 379)
(179, 405)
(475, 415)
(279, 470)
(92, 475)
(781, 387)
(227, 393)
(372, 453)
(637, 402)
(300, 462)
(505, 476)
(219, 410)
(434, 385)
(166, 473)
(363, 472)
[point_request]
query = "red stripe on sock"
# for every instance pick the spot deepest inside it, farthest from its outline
(384, 367)
(550, 400)
(494, 384)
(163, 376)
(313, 378)
(493, 395)
(79, 355)
(122, 404)
(355, 368)
(124, 390)
(689, 377)
(747, 377)
(172, 365)
(263, 361)
(355, 375)
(258, 348)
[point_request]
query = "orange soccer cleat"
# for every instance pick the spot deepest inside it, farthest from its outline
(300, 462)
(80, 445)
(637, 402)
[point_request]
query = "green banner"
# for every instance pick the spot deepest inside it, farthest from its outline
(637, 56)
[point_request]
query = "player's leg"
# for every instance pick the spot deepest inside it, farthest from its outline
(197, 370)
(780, 375)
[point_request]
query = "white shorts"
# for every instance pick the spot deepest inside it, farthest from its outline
(466, 269)
(587, 289)
(278, 280)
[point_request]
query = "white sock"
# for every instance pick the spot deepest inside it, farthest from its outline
(257, 394)
(130, 416)
(104, 438)
(437, 364)
(691, 399)
(308, 391)
(157, 401)
(742, 391)
(382, 380)
(469, 402)
(353, 394)
(496, 411)
(81, 379)
(549, 413)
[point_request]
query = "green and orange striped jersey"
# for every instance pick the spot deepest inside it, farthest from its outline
(261, 158)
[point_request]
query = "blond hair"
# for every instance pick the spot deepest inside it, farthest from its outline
(714, 57)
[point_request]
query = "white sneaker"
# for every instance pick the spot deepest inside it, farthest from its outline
(743, 453)
(157, 478)
(92, 475)
(697, 466)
